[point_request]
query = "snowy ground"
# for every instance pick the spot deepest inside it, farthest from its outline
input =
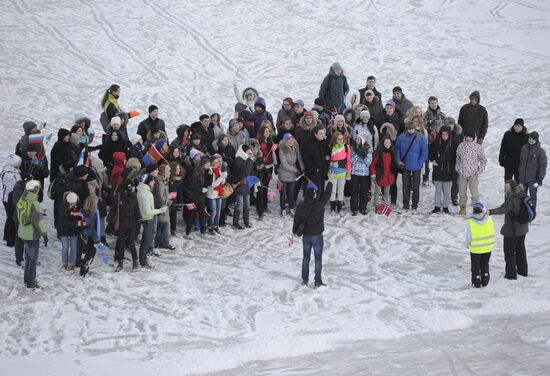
(397, 301)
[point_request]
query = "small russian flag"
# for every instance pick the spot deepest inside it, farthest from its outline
(36, 139)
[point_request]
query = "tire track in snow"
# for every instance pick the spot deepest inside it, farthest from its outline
(496, 10)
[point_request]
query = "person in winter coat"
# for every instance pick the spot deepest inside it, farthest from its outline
(89, 235)
(152, 121)
(510, 149)
(61, 152)
(10, 176)
(225, 148)
(402, 104)
(31, 228)
(247, 97)
(110, 106)
(411, 149)
(305, 127)
(260, 114)
(433, 118)
(470, 162)
(235, 134)
(414, 116)
(183, 137)
(351, 101)
(370, 85)
(162, 235)
(119, 159)
(457, 137)
(291, 165)
(323, 113)
(265, 167)
(383, 170)
(129, 215)
(361, 158)
(35, 163)
(258, 193)
(374, 105)
(480, 239)
(368, 131)
(177, 176)
(112, 145)
(214, 195)
(13, 197)
(513, 231)
(205, 130)
(242, 167)
(316, 156)
(68, 229)
(146, 202)
(340, 165)
(286, 112)
(286, 127)
(532, 165)
(334, 87)
(391, 116)
(443, 158)
(341, 126)
(349, 118)
(309, 220)
(473, 117)
(195, 188)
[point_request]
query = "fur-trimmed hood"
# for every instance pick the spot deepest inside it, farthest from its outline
(347, 99)
(389, 129)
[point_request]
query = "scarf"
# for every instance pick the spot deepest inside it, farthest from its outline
(219, 188)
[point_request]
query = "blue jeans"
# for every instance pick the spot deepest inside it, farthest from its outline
(31, 258)
(162, 236)
(242, 203)
(215, 206)
(154, 235)
(315, 241)
(287, 195)
(531, 190)
(69, 242)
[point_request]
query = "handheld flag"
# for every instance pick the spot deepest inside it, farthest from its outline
(36, 139)
(251, 180)
(311, 185)
(152, 156)
(385, 208)
(172, 195)
(190, 206)
(331, 120)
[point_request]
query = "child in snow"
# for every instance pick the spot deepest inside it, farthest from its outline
(68, 229)
(340, 165)
(361, 159)
(480, 239)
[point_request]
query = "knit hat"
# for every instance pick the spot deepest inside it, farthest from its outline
(71, 198)
(478, 208)
(391, 102)
(134, 138)
(253, 143)
(319, 101)
(534, 136)
(449, 121)
(232, 122)
(28, 126)
(336, 66)
(159, 144)
(152, 108)
(74, 139)
(116, 120)
(519, 121)
(80, 171)
(151, 168)
(397, 89)
(195, 136)
(194, 153)
(32, 185)
(287, 136)
(365, 113)
(309, 113)
(299, 102)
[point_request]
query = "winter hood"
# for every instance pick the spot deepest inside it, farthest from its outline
(260, 102)
(389, 129)
(119, 159)
(347, 99)
(475, 94)
(13, 160)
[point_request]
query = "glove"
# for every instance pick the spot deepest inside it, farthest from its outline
(45, 240)
(480, 141)
(132, 114)
(536, 185)
(204, 190)
(163, 209)
(401, 164)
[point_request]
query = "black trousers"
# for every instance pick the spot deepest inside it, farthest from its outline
(510, 173)
(87, 254)
(480, 268)
(190, 215)
(126, 238)
(411, 182)
(360, 187)
(10, 229)
(19, 250)
(515, 256)
(454, 187)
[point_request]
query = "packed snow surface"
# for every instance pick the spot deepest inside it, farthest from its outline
(397, 300)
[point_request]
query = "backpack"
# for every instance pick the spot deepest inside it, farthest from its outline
(527, 211)
(55, 189)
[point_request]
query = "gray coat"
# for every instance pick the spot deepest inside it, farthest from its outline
(510, 208)
(532, 164)
(236, 139)
(289, 162)
(163, 195)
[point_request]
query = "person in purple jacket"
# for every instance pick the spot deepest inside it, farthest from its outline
(260, 114)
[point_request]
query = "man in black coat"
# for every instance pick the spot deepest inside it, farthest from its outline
(309, 221)
(473, 116)
(371, 85)
(316, 154)
(391, 116)
(510, 149)
(152, 121)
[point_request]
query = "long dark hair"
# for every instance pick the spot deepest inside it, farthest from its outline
(110, 90)
(380, 163)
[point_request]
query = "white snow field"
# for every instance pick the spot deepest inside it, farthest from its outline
(398, 300)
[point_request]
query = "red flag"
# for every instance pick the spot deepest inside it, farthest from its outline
(384, 208)
(153, 156)
(331, 121)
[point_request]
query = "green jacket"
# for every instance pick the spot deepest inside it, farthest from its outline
(29, 216)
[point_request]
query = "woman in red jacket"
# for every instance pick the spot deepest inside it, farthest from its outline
(383, 170)
(267, 145)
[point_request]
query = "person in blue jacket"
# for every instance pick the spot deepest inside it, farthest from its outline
(411, 149)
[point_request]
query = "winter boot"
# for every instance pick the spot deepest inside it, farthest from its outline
(462, 211)
(246, 218)
(333, 207)
(119, 266)
(64, 267)
(135, 265)
(446, 210)
(339, 205)
(236, 217)
(437, 209)
(70, 267)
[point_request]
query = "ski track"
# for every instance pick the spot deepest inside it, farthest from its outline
(236, 306)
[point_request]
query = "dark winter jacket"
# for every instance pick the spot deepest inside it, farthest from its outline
(395, 120)
(474, 117)
(333, 88)
(510, 208)
(109, 148)
(66, 224)
(532, 165)
(61, 152)
(510, 148)
(375, 108)
(196, 185)
(282, 115)
(418, 153)
(402, 105)
(364, 90)
(444, 153)
(314, 155)
(242, 166)
(128, 207)
(433, 121)
(311, 214)
(72, 183)
(148, 124)
(207, 135)
(183, 138)
(261, 116)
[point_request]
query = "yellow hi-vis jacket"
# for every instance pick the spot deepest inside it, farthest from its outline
(482, 236)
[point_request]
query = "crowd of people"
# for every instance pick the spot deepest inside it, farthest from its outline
(136, 184)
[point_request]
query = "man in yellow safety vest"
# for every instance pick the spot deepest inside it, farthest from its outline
(480, 239)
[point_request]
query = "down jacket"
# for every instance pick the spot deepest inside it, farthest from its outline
(418, 153)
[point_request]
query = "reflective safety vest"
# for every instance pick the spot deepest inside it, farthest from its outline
(482, 236)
